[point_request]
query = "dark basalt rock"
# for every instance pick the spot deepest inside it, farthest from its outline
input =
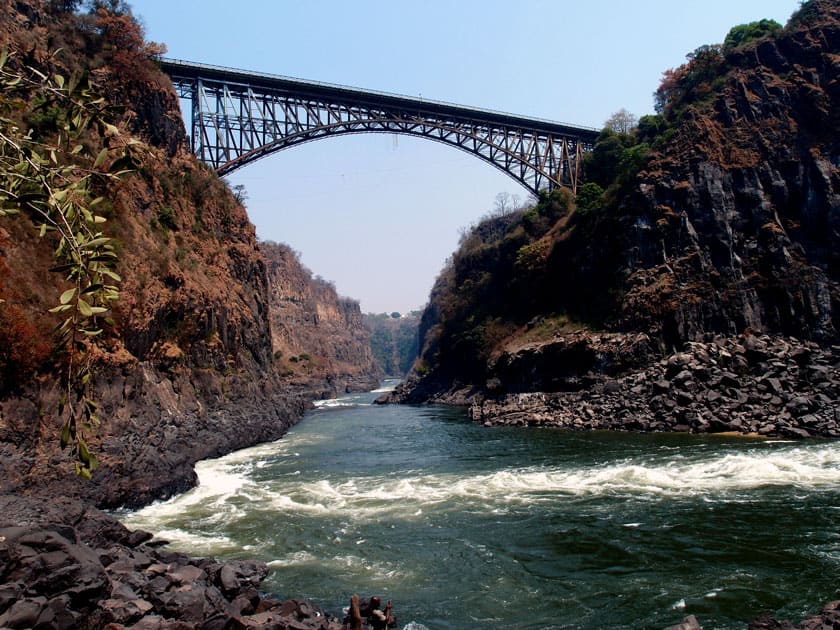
(65, 565)
(710, 387)
(829, 617)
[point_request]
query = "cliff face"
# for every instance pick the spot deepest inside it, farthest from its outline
(394, 342)
(725, 222)
(735, 223)
(188, 369)
(316, 335)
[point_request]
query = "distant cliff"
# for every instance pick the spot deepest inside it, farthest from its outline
(316, 334)
(394, 341)
(720, 215)
(188, 368)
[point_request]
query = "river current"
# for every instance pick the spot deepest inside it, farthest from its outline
(464, 526)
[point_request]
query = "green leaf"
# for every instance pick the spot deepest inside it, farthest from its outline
(65, 435)
(97, 241)
(65, 267)
(67, 295)
(103, 155)
(92, 288)
(84, 308)
(61, 308)
(59, 80)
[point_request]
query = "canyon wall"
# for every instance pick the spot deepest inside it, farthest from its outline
(188, 368)
(719, 217)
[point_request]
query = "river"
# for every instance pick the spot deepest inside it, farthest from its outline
(467, 527)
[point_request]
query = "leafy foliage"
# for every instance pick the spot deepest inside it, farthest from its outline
(51, 179)
(745, 33)
(692, 81)
(616, 158)
(590, 196)
(652, 129)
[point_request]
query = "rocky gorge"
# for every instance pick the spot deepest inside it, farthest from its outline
(707, 285)
(692, 286)
(197, 360)
(205, 354)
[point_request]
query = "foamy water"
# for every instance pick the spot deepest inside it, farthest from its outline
(371, 496)
(464, 526)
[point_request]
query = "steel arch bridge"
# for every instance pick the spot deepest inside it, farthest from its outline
(240, 116)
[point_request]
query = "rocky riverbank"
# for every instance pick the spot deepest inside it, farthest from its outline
(749, 384)
(66, 565)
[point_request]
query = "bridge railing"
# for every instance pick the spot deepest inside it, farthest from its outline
(229, 71)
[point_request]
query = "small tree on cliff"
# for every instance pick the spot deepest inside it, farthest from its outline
(621, 122)
(744, 33)
(690, 82)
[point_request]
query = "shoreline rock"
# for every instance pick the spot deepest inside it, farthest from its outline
(64, 565)
(155, 427)
(750, 384)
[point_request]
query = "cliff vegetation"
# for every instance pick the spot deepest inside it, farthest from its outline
(717, 215)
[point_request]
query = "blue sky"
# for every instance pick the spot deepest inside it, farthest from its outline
(379, 214)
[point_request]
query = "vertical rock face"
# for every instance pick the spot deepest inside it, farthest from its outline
(188, 371)
(735, 224)
(316, 334)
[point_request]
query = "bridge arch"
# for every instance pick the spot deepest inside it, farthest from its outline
(239, 117)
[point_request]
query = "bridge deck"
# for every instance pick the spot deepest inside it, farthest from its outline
(300, 88)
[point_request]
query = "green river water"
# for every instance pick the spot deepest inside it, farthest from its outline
(466, 527)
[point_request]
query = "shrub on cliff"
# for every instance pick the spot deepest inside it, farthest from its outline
(745, 33)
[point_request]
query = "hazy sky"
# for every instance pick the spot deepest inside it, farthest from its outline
(379, 214)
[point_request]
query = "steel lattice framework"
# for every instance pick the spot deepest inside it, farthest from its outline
(240, 116)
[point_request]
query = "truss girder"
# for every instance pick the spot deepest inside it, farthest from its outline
(236, 121)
